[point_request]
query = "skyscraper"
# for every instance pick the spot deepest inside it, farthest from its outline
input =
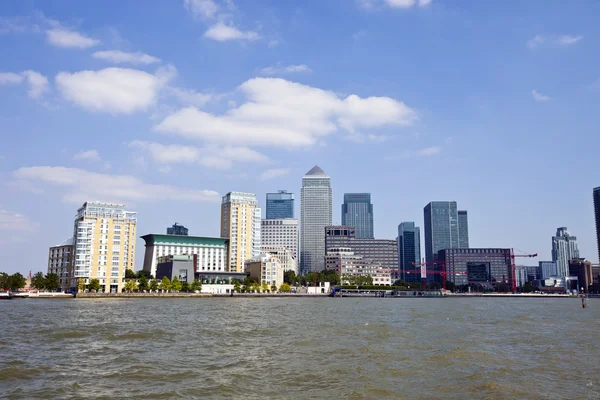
(315, 215)
(597, 215)
(357, 211)
(564, 249)
(104, 244)
(409, 251)
(441, 232)
(463, 230)
(280, 205)
(280, 232)
(240, 222)
(177, 229)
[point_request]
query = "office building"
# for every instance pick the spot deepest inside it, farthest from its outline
(240, 222)
(409, 252)
(315, 215)
(482, 269)
(564, 249)
(266, 268)
(288, 262)
(347, 264)
(547, 269)
(177, 229)
(280, 232)
(441, 232)
(463, 230)
(60, 259)
(280, 205)
(381, 251)
(582, 269)
(357, 211)
(597, 217)
(212, 252)
(104, 237)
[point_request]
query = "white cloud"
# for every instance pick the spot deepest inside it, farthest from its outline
(567, 40)
(10, 78)
(91, 155)
(121, 57)
(222, 32)
(284, 69)
(205, 9)
(62, 37)
(211, 156)
(424, 3)
(400, 3)
(365, 4)
(274, 43)
(536, 41)
(408, 154)
(38, 83)
(11, 222)
(428, 151)
(81, 185)
(538, 96)
(274, 173)
(113, 90)
(286, 114)
(189, 97)
(359, 35)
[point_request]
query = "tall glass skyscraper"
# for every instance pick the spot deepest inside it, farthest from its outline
(357, 211)
(597, 215)
(463, 229)
(315, 215)
(441, 232)
(409, 251)
(280, 205)
(564, 249)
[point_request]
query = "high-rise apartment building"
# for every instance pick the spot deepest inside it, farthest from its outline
(315, 215)
(60, 259)
(104, 236)
(357, 211)
(463, 230)
(441, 232)
(280, 205)
(597, 215)
(547, 269)
(564, 249)
(280, 232)
(240, 222)
(409, 251)
(177, 229)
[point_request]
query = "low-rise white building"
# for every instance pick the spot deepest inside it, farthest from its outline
(346, 263)
(288, 262)
(266, 268)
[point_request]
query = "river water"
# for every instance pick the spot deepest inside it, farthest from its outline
(299, 348)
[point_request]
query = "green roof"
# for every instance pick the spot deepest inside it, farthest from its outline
(155, 238)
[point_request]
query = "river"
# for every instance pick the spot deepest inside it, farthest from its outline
(300, 348)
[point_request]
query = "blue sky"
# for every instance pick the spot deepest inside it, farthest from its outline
(167, 105)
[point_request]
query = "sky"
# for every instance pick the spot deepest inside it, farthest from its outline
(165, 106)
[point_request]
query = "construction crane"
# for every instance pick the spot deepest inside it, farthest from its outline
(513, 266)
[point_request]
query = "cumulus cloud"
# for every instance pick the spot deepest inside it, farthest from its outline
(553, 40)
(81, 185)
(428, 151)
(121, 57)
(10, 78)
(66, 38)
(274, 173)
(567, 40)
(211, 156)
(221, 32)
(284, 69)
(189, 97)
(113, 90)
(286, 114)
(205, 9)
(38, 83)
(91, 155)
(539, 97)
(11, 222)
(374, 4)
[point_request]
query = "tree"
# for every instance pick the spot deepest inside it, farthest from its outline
(285, 288)
(17, 281)
(237, 286)
(153, 285)
(130, 285)
(129, 274)
(289, 276)
(4, 281)
(165, 284)
(51, 281)
(94, 285)
(185, 287)
(330, 276)
(142, 283)
(273, 288)
(264, 287)
(144, 273)
(176, 284)
(38, 281)
(80, 285)
(197, 285)
(450, 286)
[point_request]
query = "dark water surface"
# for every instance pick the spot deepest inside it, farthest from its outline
(273, 348)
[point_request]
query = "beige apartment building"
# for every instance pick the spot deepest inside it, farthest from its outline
(240, 222)
(60, 259)
(104, 237)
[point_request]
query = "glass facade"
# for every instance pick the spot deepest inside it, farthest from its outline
(463, 230)
(547, 269)
(484, 269)
(280, 205)
(357, 211)
(381, 251)
(409, 251)
(597, 215)
(564, 249)
(441, 232)
(177, 229)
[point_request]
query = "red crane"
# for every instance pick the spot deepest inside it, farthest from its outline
(514, 268)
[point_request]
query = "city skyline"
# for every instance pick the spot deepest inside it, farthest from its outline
(106, 106)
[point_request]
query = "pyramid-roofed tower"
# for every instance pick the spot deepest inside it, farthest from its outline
(316, 171)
